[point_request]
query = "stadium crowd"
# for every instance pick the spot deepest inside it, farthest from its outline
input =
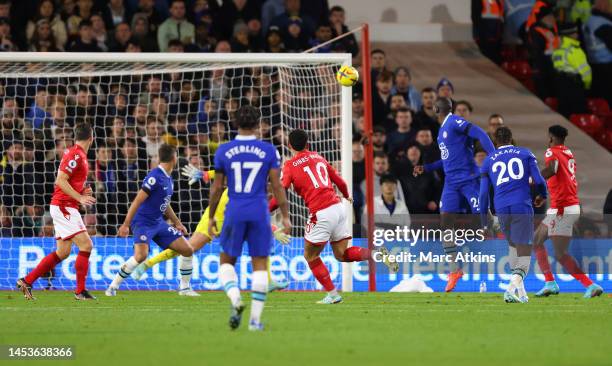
(193, 110)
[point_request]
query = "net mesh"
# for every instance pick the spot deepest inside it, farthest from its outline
(135, 107)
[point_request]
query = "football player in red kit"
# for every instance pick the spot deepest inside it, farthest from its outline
(564, 211)
(70, 192)
(313, 178)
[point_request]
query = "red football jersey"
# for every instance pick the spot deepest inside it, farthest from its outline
(74, 163)
(312, 177)
(563, 186)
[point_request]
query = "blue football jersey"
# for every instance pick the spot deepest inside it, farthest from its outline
(159, 185)
(246, 162)
(508, 170)
(457, 150)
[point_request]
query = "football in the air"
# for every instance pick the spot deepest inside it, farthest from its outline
(347, 75)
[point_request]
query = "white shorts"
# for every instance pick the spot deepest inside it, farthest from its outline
(66, 227)
(329, 224)
(561, 225)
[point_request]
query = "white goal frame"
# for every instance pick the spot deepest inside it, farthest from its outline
(234, 59)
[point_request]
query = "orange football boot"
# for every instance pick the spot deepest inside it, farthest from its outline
(453, 278)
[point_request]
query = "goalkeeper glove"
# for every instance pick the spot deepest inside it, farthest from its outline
(280, 235)
(194, 174)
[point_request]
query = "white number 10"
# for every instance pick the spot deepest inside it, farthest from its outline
(321, 172)
(237, 166)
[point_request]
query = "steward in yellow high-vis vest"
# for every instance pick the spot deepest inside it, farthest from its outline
(573, 73)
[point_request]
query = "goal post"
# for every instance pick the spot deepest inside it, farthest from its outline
(146, 99)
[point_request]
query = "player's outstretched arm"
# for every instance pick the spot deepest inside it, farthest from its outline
(124, 229)
(62, 182)
(281, 198)
(479, 134)
(175, 220)
(483, 199)
(420, 169)
(216, 190)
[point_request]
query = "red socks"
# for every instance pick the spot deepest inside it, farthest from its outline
(542, 258)
(569, 263)
(356, 254)
(81, 266)
(321, 273)
(46, 264)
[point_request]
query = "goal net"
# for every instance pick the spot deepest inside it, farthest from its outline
(136, 102)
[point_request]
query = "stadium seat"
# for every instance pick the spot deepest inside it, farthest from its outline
(553, 103)
(605, 139)
(589, 123)
(598, 106)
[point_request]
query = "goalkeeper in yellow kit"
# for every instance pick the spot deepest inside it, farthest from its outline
(200, 238)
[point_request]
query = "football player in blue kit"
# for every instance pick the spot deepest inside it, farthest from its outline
(508, 170)
(247, 163)
(456, 142)
(146, 218)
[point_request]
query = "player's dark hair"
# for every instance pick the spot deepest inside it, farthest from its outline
(377, 50)
(247, 117)
(443, 106)
(495, 115)
(428, 89)
(298, 139)
(336, 8)
(558, 132)
(503, 136)
(83, 132)
(388, 178)
(166, 153)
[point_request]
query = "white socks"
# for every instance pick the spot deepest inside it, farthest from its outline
(512, 258)
(186, 269)
(124, 272)
(519, 272)
(259, 290)
(229, 281)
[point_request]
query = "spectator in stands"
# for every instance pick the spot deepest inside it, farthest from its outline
(430, 151)
(378, 64)
(479, 156)
(177, 134)
(495, 121)
(542, 40)
(294, 38)
(381, 99)
(142, 35)
(445, 89)
(115, 13)
(516, 13)
(175, 27)
(223, 47)
(323, 34)
(46, 12)
(381, 167)
(337, 18)
(216, 136)
(159, 108)
(426, 117)
(146, 8)
(488, 27)
(118, 106)
(37, 115)
(389, 212)
(98, 28)
(58, 113)
(131, 170)
(85, 42)
(397, 102)
(598, 36)
(404, 134)
(357, 105)
(274, 40)
(43, 40)
(6, 38)
(241, 42)
(233, 13)
(121, 37)
(13, 127)
(175, 46)
(573, 73)
(379, 139)
(153, 138)
(422, 192)
(138, 118)
(17, 190)
(117, 133)
(291, 14)
(402, 86)
(82, 12)
(464, 109)
(154, 87)
(83, 107)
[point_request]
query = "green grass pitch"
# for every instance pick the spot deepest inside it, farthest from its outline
(161, 328)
